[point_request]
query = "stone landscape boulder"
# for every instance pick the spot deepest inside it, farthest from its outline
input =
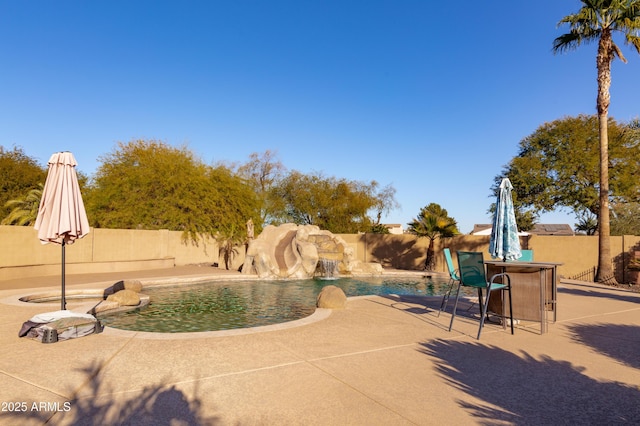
(125, 298)
(133, 285)
(104, 306)
(331, 297)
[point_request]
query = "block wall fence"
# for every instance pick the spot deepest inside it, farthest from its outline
(121, 250)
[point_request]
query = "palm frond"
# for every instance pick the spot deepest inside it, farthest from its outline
(24, 210)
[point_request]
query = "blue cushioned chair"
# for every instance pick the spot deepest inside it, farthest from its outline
(527, 256)
(453, 279)
(472, 274)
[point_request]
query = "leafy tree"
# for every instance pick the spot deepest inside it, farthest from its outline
(625, 219)
(234, 202)
(151, 185)
(386, 202)
(24, 211)
(19, 174)
(526, 218)
(262, 172)
(337, 205)
(557, 166)
(597, 21)
(378, 228)
(433, 222)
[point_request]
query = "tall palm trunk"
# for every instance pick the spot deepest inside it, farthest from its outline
(429, 262)
(603, 62)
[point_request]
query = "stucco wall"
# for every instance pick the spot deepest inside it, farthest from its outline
(576, 253)
(102, 250)
(106, 250)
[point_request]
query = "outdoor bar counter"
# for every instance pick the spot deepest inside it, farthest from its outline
(533, 289)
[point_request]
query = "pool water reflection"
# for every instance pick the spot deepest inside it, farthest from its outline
(225, 305)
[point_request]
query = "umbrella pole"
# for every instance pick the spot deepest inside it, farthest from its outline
(63, 300)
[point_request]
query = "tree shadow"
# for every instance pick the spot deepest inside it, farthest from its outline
(618, 341)
(613, 293)
(399, 254)
(621, 263)
(504, 387)
(157, 405)
(410, 253)
(460, 243)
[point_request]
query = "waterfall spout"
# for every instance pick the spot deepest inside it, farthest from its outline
(327, 269)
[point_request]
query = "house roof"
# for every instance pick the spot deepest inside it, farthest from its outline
(538, 229)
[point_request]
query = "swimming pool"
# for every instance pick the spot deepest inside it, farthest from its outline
(225, 305)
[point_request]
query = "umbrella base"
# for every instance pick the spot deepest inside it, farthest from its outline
(49, 335)
(52, 327)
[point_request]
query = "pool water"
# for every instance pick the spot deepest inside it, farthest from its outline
(226, 305)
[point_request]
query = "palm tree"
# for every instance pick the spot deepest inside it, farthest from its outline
(229, 241)
(588, 223)
(433, 222)
(597, 21)
(24, 210)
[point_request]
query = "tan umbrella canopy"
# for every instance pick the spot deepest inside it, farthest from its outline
(61, 216)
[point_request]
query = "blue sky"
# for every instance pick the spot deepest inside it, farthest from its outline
(429, 97)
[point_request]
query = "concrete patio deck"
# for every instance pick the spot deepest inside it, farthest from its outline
(381, 361)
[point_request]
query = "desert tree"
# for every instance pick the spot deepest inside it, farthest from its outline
(556, 167)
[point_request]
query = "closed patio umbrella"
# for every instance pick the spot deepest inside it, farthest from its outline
(504, 243)
(61, 216)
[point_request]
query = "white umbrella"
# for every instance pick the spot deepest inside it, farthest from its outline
(61, 216)
(504, 242)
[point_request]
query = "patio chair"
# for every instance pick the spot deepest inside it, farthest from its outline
(527, 256)
(472, 274)
(453, 279)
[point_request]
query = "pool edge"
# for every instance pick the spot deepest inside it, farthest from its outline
(318, 315)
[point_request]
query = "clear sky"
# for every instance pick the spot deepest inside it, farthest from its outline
(430, 97)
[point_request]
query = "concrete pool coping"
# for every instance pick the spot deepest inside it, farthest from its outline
(386, 361)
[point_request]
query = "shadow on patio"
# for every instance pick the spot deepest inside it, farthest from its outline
(606, 339)
(156, 405)
(526, 391)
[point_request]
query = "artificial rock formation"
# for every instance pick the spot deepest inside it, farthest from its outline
(293, 251)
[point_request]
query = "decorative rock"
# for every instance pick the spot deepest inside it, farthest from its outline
(331, 297)
(103, 306)
(134, 285)
(125, 298)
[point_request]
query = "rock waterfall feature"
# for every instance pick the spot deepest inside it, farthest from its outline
(301, 251)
